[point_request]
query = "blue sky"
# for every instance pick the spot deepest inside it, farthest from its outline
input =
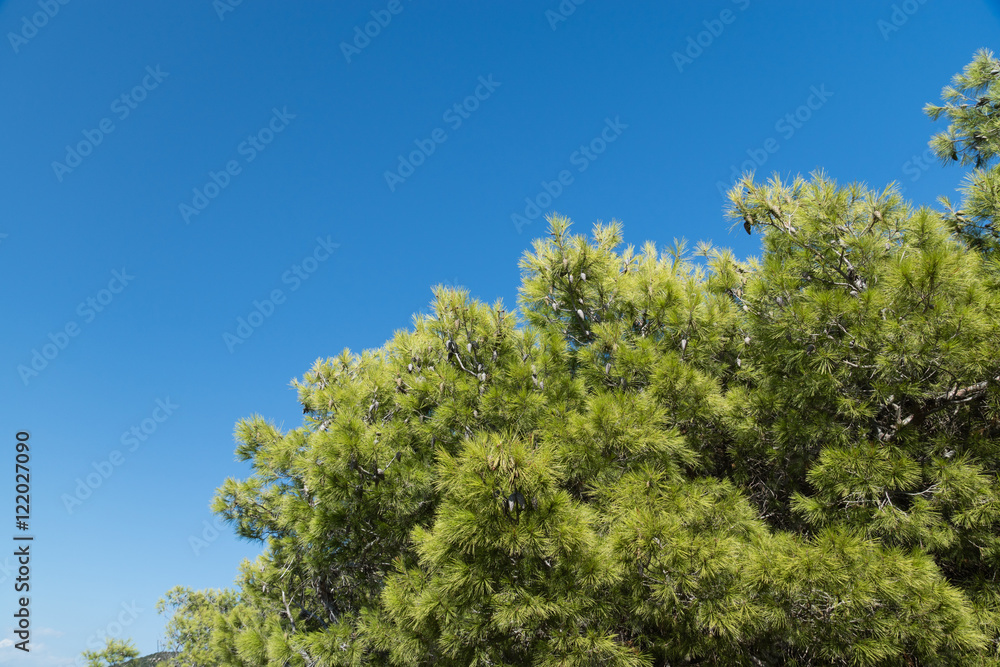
(165, 166)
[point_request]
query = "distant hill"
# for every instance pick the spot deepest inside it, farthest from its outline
(150, 660)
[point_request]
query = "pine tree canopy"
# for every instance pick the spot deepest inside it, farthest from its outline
(662, 457)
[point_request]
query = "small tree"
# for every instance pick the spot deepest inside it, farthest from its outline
(115, 652)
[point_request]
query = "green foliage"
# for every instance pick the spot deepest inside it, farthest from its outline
(672, 458)
(115, 652)
(972, 105)
(161, 658)
(194, 615)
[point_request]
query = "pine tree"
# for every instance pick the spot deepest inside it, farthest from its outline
(671, 458)
(115, 652)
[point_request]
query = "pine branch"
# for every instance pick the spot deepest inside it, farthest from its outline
(955, 396)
